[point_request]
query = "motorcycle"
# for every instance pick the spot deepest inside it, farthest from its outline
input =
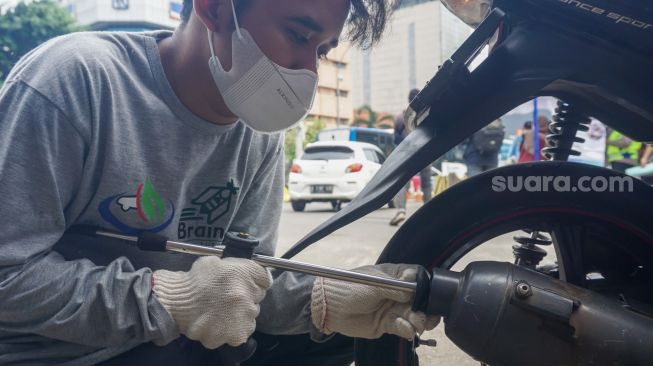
(596, 306)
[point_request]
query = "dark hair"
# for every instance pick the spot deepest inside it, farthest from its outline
(528, 125)
(367, 18)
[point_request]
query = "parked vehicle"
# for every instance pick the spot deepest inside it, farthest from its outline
(383, 139)
(332, 171)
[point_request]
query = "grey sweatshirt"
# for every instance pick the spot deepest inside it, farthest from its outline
(91, 132)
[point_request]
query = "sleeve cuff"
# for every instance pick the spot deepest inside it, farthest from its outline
(168, 330)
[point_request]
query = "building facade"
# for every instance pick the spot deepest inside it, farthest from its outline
(420, 36)
(125, 15)
(333, 102)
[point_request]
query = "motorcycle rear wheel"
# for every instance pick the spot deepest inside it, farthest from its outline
(605, 233)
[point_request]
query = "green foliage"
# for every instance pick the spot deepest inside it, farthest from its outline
(27, 26)
(312, 129)
(386, 117)
(370, 121)
(289, 145)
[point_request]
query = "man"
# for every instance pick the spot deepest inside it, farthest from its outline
(622, 151)
(645, 170)
(400, 133)
(179, 134)
(426, 184)
(482, 149)
(646, 155)
(527, 148)
(515, 147)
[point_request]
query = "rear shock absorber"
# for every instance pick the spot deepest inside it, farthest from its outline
(567, 121)
(529, 253)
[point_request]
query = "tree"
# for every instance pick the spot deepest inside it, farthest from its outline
(289, 145)
(312, 129)
(365, 116)
(27, 26)
(385, 120)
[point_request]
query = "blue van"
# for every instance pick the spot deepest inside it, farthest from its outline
(383, 139)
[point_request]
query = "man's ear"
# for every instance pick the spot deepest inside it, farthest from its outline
(215, 14)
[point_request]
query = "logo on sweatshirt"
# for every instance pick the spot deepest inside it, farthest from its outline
(143, 211)
(197, 221)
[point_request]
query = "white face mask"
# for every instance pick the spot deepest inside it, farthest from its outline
(264, 95)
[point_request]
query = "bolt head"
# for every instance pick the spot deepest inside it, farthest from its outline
(523, 289)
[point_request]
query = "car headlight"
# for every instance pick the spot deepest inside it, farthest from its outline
(472, 12)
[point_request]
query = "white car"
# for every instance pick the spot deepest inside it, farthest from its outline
(332, 171)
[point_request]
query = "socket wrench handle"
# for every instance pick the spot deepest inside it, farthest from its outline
(158, 243)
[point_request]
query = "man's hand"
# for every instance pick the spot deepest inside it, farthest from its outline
(217, 301)
(365, 311)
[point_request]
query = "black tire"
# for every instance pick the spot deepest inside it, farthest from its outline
(298, 206)
(334, 205)
(470, 212)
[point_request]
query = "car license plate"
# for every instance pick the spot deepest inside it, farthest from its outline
(322, 189)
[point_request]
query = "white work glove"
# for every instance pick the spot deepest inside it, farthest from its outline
(217, 301)
(363, 311)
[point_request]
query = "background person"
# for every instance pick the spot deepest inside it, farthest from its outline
(645, 169)
(513, 154)
(645, 162)
(426, 184)
(622, 151)
(400, 133)
(527, 149)
(646, 155)
(482, 149)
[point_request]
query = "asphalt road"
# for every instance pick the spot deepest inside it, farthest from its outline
(361, 242)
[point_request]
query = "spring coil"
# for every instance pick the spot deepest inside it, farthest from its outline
(567, 121)
(534, 239)
(529, 252)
